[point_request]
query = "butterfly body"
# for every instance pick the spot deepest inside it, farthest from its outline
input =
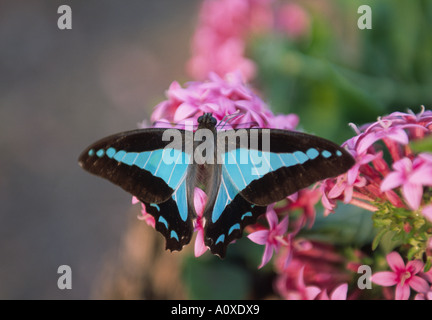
(242, 172)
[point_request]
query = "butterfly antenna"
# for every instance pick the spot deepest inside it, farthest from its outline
(228, 118)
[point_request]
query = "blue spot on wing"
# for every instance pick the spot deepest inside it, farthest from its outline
(162, 220)
(227, 192)
(234, 227)
(119, 155)
(247, 214)
(220, 239)
(300, 156)
(180, 197)
(174, 234)
(100, 153)
(155, 205)
(234, 171)
(129, 158)
(142, 159)
(178, 170)
(312, 153)
(326, 154)
(288, 159)
(110, 152)
(154, 161)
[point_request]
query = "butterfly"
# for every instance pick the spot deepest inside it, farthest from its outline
(242, 172)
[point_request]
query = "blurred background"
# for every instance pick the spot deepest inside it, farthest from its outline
(59, 91)
(63, 89)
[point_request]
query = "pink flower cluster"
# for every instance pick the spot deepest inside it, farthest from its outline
(219, 42)
(222, 97)
(314, 271)
(371, 179)
(225, 26)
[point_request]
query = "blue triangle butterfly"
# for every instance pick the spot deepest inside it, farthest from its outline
(240, 178)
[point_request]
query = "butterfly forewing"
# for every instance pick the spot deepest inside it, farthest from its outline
(143, 164)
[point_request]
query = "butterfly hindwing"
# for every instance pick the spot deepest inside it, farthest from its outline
(140, 162)
(229, 226)
(176, 231)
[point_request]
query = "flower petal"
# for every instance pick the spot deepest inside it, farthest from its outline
(282, 227)
(272, 219)
(200, 247)
(402, 292)
(419, 284)
(391, 181)
(384, 278)
(427, 212)
(268, 253)
(412, 194)
(340, 293)
(259, 237)
(422, 175)
(311, 292)
(395, 261)
(414, 266)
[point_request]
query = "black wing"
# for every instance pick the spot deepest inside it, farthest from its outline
(146, 166)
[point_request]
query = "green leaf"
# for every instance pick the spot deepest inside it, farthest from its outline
(376, 241)
(423, 145)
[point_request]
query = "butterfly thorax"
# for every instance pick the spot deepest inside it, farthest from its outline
(205, 171)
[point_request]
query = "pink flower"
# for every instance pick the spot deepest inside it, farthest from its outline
(427, 212)
(200, 199)
(411, 176)
(293, 20)
(324, 268)
(222, 97)
(302, 292)
(404, 277)
(339, 293)
(272, 238)
(305, 200)
(219, 43)
(148, 218)
(424, 296)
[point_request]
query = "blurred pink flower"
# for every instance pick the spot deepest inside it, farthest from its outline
(200, 199)
(404, 277)
(305, 201)
(302, 292)
(424, 296)
(293, 20)
(148, 218)
(324, 268)
(272, 238)
(339, 293)
(219, 43)
(427, 212)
